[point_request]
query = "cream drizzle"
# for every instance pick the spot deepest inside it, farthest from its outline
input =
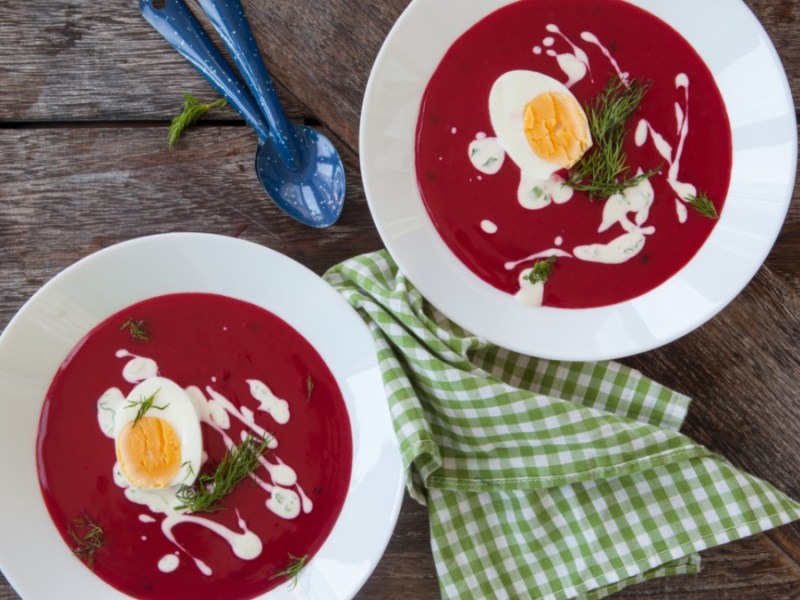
(588, 36)
(644, 130)
(486, 154)
(215, 412)
(138, 369)
(534, 194)
(575, 64)
(269, 402)
(558, 252)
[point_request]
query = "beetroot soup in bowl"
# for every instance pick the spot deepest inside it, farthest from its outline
(578, 179)
(201, 428)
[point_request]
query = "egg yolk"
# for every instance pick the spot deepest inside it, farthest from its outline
(149, 453)
(556, 128)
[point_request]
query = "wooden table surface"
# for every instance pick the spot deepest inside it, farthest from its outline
(87, 90)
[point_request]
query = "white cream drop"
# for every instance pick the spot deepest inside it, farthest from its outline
(575, 64)
(636, 200)
(488, 227)
(534, 194)
(486, 155)
(269, 402)
(107, 406)
(529, 294)
(168, 563)
(617, 251)
(138, 368)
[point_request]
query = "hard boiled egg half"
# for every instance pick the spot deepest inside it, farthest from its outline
(157, 436)
(538, 122)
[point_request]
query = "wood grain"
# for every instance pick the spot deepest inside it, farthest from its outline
(86, 92)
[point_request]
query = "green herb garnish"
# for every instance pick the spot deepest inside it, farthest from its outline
(88, 538)
(210, 488)
(603, 170)
(538, 192)
(541, 270)
(189, 469)
(309, 388)
(144, 405)
(292, 571)
(488, 161)
(137, 329)
(192, 110)
(703, 205)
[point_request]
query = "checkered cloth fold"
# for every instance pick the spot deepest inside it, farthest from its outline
(544, 479)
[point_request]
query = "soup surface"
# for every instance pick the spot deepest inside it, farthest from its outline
(490, 202)
(246, 372)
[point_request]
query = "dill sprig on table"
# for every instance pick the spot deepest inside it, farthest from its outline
(191, 112)
(87, 536)
(703, 205)
(603, 170)
(137, 329)
(144, 405)
(210, 489)
(541, 270)
(292, 571)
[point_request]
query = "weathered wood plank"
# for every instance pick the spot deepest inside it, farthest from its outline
(69, 58)
(82, 189)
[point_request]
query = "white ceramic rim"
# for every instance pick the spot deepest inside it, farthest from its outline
(33, 556)
(756, 92)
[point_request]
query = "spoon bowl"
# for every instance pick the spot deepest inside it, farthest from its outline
(312, 194)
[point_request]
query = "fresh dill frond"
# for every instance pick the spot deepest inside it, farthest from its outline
(191, 112)
(603, 170)
(210, 488)
(541, 270)
(309, 387)
(144, 405)
(137, 329)
(703, 205)
(189, 469)
(292, 571)
(88, 538)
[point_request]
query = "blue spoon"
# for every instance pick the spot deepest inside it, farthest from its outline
(298, 166)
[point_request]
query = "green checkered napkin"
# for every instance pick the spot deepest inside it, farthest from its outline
(545, 479)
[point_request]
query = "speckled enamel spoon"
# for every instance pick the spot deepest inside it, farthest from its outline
(298, 166)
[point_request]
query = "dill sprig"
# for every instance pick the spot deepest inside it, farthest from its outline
(137, 329)
(603, 170)
(210, 488)
(88, 537)
(309, 388)
(144, 405)
(292, 571)
(191, 112)
(541, 270)
(703, 205)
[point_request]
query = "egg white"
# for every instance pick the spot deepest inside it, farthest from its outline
(179, 412)
(510, 94)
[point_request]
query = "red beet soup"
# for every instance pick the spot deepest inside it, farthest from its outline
(214, 348)
(607, 250)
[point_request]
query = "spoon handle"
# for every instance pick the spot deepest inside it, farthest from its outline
(228, 18)
(173, 20)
